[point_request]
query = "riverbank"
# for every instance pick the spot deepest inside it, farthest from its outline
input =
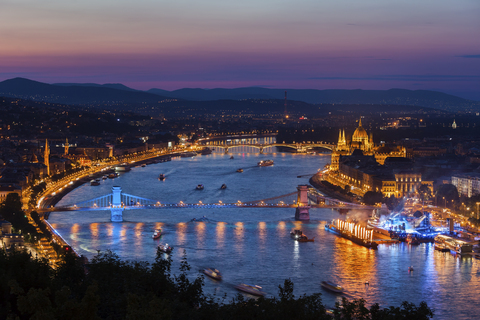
(316, 181)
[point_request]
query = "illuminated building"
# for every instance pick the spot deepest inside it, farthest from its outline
(467, 185)
(365, 167)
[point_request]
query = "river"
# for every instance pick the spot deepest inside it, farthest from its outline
(253, 245)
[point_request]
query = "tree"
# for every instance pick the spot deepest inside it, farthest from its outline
(372, 197)
(446, 193)
(424, 192)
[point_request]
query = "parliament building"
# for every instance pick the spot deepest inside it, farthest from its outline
(363, 166)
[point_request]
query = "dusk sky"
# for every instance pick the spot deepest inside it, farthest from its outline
(342, 44)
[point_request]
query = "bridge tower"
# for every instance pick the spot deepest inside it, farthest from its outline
(116, 206)
(302, 210)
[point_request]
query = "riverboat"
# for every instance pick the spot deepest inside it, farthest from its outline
(206, 151)
(213, 273)
(251, 289)
(161, 176)
(231, 158)
(412, 240)
(144, 165)
(165, 248)
(348, 235)
(104, 177)
(157, 234)
(188, 154)
(95, 182)
(240, 170)
(113, 175)
(200, 187)
(299, 236)
(265, 163)
(332, 286)
(122, 168)
(223, 187)
(454, 245)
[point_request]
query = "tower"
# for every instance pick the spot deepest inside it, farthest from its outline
(46, 156)
(66, 147)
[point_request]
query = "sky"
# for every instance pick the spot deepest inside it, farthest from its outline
(301, 44)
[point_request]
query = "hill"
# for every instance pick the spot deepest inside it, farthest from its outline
(423, 98)
(74, 94)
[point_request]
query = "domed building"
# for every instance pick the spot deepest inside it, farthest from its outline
(363, 141)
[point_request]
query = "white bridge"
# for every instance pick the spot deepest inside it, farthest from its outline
(117, 202)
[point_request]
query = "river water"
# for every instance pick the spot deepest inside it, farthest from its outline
(253, 245)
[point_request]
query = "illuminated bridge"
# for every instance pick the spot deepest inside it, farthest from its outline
(306, 198)
(261, 143)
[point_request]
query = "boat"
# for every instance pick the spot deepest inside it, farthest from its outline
(477, 256)
(299, 236)
(188, 154)
(251, 289)
(165, 248)
(144, 165)
(366, 241)
(206, 151)
(240, 170)
(157, 234)
(95, 182)
(200, 187)
(412, 240)
(410, 268)
(454, 245)
(332, 286)
(122, 168)
(265, 163)
(223, 187)
(161, 176)
(231, 157)
(213, 273)
(104, 177)
(113, 175)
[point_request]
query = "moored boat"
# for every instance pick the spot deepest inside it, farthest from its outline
(113, 175)
(265, 163)
(366, 241)
(200, 187)
(157, 234)
(250, 289)
(231, 157)
(104, 177)
(213, 273)
(95, 182)
(165, 248)
(332, 286)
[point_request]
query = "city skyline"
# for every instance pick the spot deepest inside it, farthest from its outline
(344, 45)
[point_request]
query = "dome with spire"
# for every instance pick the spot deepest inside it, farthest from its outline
(360, 135)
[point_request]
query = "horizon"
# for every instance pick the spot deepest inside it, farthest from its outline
(372, 45)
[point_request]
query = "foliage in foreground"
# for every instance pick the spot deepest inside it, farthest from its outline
(109, 288)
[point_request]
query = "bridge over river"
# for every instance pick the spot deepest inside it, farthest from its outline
(261, 143)
(117, 202)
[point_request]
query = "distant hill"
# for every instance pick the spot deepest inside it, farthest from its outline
(118, 86)
(74, 94)
(252, 100)
(424, 98)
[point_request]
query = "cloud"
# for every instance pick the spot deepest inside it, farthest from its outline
(469, 56)
(403, 77)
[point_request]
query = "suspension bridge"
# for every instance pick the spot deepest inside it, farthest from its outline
(118, 201)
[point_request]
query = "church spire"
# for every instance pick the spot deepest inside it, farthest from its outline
(66, 147)
(360, 122)
(46, 157)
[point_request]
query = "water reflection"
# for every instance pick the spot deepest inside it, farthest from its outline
(181, 233)
(220, 230)
(94, 230)
(239, 233)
